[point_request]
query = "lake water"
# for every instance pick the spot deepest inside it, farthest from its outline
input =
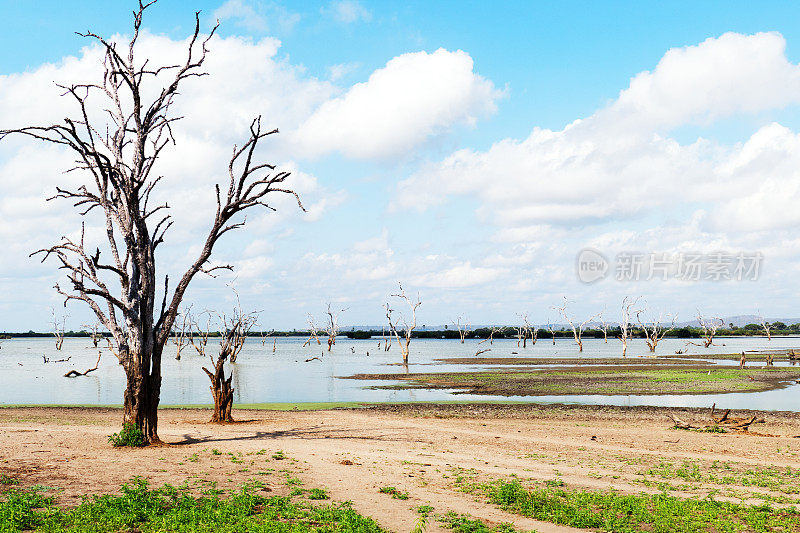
(262, 376)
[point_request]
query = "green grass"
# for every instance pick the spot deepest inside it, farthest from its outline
(396, 494)
(467, 524)
(610, 511)
(139, 508)
(130, 435)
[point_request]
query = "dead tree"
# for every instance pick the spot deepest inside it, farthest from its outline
(628, 309)
(313, 332)
(603, 326)
(182, 333)
(201, 334)
(59, 328)
(524, 332)
(93, 332)
(552, 331)
(577, 330)
(234, 334)
(655, 330)
(766, 326)
(709, 327)
(408, 324)
(463, 329)
(115, 156)
(492, 331)
(332, 327)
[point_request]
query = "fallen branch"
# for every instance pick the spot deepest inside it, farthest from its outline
(75, 373)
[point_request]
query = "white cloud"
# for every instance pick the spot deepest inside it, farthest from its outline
(717, 78)
(414, 97)
(348, 11)
(616, 165)
(256, 17)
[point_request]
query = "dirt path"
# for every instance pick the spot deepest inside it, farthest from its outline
(428, 452)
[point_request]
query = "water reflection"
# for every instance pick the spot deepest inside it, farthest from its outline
(262, 375)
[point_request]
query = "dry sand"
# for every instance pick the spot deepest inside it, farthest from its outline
(419, 449)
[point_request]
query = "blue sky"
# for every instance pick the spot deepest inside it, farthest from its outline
(661, 165)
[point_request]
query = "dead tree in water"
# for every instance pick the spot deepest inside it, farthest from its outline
(603, 326)
(182, 332)
(524, 331)
(332, 327)
(492, 331)
(408, 324)
(115, 156)
(766, 326)
(628, 305)
(577, 330)
(92, 328)
(313, 332)
(709, 327)
(59, 328)
(552, 331)
(463, 330)
(234, 335)
(655, 330)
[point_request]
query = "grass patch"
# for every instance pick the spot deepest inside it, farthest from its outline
(396, 494)
(467, 524)
(610, 511)
(130, 435)
(139, 508)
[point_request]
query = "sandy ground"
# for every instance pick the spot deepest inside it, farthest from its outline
(427, 451)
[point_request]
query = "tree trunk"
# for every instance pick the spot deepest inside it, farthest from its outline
(221, 391)
(141, 404)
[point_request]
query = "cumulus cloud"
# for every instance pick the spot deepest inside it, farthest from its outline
(619, 163)
(414, 97)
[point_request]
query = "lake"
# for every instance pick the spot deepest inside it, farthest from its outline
(262, 376)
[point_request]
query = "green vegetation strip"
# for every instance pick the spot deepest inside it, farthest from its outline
(141, 509)
(610, 511)
(710, 379)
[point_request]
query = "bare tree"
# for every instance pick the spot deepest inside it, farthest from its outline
(577, 328)
(603, 325)
(709, 327)
(93, 334)
(116, 160)
(492, 331)
(313, 331)
(201, 334)
(550, 327)
(59, 328)
(628, 309)
(332, 327)
(234, 335)
(525, 331)
(182, 331)
(407, 324)
(655, 330)
(463, 329)
(766, 326)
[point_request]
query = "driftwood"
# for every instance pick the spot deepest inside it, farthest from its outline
(75, 373)
(483, 351)
(725, 422)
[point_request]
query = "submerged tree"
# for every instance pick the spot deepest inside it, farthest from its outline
(115, 158)
(709, 327)
(59, 328)
(407, 324)
(655, 329)
(463, 329)
(332, 325)
(577, 328)
(628, 309)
